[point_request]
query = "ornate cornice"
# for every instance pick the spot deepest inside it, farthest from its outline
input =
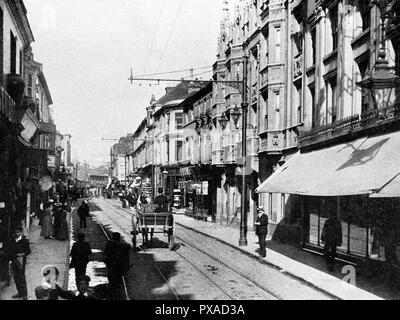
(18, 12)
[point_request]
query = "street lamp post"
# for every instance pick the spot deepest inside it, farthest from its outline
(381, 81)
(245, 106)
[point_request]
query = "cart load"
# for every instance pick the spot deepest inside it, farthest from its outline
(150, 218)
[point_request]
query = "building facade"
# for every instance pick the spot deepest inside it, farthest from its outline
(24, 154)
(343, 159)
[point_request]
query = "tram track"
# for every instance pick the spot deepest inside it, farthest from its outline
(108, 238)
(238, 274)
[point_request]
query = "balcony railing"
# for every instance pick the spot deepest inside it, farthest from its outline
(354, 124)
(7, 105)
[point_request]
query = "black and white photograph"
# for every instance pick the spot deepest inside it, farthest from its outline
(222, 152)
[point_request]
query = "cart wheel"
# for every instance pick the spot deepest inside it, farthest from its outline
(171, 242)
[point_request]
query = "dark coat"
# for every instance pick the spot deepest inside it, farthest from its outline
(116, 257)
(83, 211)
(61, 233)
(80, 253)
(332, 232)
(262, 225)
(18, 248)
(162, 202)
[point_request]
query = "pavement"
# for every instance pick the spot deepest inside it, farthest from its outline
(43, 252)
(302, 265)
(314, 277)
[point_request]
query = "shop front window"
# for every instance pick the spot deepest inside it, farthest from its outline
(370, 227)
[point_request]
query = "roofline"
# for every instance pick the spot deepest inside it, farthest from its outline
(199, 94)
(43, 80)
(19, 12)
(167, 106)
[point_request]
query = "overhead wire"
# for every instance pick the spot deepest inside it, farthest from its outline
(198, 74)
(170, 33)
(169, 72)
(154, 36)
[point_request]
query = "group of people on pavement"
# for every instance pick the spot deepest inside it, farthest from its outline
(54, 221)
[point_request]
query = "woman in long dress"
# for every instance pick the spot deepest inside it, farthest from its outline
(47, 225)
(62, 232)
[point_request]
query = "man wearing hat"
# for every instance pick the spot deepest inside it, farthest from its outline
(19, 250)
(262, 230)
(116, 258)
(83, 213)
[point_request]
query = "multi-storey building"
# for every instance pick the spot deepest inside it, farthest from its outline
(198, 180)
(23, 160)
(165, 136)
(118, 159)
(345, 165)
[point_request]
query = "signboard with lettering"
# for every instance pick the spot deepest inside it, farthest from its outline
(205, 188)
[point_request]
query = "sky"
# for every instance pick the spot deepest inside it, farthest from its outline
(88, 48)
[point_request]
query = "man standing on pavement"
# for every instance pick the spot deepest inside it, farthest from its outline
(116, 258)
(332, 237)
(19, 250)
(83, 213)
(262, 230)
(80, 253)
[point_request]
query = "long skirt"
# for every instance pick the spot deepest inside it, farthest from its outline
(47, 227)
(62, 232)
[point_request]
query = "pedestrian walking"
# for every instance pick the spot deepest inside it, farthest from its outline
(62, 233)
(47, 224)
(116, 258)
(19, 250)
(83, 213)
(80, 253)
(56, 218)
(262, 230)
(332, 238)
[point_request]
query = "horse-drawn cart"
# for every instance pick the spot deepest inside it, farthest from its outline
(149, 218)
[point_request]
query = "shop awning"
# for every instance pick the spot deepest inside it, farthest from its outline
(363, 166)
(390, 190)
